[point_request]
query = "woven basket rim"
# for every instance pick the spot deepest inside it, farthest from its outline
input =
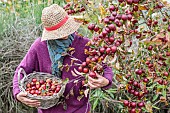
(48, 75)
(46, 101)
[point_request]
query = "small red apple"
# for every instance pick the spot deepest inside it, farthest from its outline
(34, 80)
(48, 80)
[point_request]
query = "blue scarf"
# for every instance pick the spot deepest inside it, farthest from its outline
(56, 48)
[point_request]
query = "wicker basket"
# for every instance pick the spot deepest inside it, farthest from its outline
(46, 101)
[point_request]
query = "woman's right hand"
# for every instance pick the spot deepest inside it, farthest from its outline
(22, 97)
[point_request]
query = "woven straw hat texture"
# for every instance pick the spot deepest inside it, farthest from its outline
(52, 16)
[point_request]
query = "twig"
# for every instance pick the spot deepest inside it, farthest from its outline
(88, 102)
(111, 97)
(156, 102)
(145, 19)
(74, 57)
(149, 38)
(75, 79)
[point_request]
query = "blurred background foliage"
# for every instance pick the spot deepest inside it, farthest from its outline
(20, 24)
(12, 10)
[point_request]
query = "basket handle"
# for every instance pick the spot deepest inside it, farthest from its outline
(19, 74)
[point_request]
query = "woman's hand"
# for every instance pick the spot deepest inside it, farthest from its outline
(22, 98)
(97, 83)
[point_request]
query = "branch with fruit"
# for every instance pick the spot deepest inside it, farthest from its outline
(132, 36)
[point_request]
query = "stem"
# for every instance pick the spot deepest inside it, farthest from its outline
(142, 23)
(88, 101)
(145, 19)
(162, 13)
(106, 42)
(72, 86)
(75, 79)
(74, 57)
(149, 38)
(114, 101)
(83, 4)
(156, 102)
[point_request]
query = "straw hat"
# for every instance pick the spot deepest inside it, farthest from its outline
(57, 24)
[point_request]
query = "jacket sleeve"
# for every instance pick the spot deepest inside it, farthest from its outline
(108, 73)
(28, 64)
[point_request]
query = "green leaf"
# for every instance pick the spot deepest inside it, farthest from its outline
(108, 99)
(65, 81)
(151, 87)
(111, 95)
(95, 103)
(112, 90)
(155, 97)
(120, 106)
(149, 12)
(160, 86)
(164, 92)
(155, 107)
(167, 61)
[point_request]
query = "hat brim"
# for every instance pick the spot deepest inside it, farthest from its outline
(68, 28)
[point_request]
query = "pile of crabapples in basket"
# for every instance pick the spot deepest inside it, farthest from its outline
(43, 87)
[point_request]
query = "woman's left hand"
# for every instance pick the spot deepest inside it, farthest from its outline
(97, 83)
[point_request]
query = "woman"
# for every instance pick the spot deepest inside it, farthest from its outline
(58, 35)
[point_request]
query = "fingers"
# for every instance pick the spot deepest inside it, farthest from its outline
(32, 103)
(91, 85)
(98, 76)
(94, 80)
(20, 95)
(97, 83)
(23, 94)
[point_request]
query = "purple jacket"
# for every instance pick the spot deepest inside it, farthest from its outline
(37, 59)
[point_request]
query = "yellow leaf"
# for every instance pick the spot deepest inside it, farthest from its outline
(102, 10)
(88, 43)
(158, 91)
(75, 1)
(71, 49)
(68, 0)
(149, 107)
(86, 52)
(119, 77)
(168, 78)
(166, 3)
(80, 19)
(142, 7)
(127, 85)
(150, 12)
